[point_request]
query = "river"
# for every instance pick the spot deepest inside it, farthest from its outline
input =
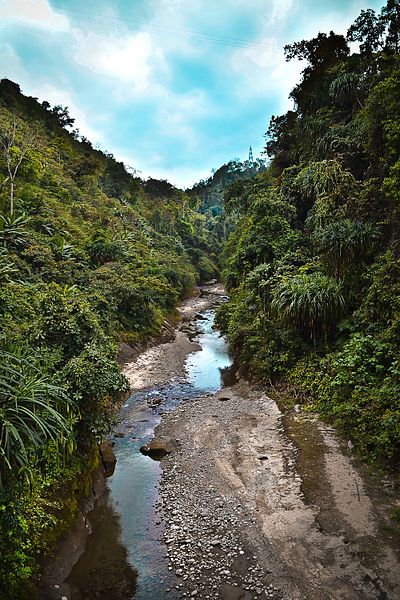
(125, 557)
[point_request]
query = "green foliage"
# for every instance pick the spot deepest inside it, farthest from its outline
(13, 230)
(67, 319)
(89, 254)
(312, 300)
(312, 265)
(96, 383)
(33, 410)
(345, 242)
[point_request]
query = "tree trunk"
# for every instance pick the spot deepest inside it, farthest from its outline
(11, 197)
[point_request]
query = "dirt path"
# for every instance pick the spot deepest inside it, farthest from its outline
(261, 506)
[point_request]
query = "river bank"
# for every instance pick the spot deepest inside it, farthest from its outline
(97, 558)
(252, 502)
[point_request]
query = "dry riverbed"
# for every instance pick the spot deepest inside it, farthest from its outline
(256, 501)
(238, 523)
(261, 504)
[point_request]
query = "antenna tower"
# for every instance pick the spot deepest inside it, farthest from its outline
(251, 159)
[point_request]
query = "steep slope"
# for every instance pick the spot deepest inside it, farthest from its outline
(313, 265)
(90, 255)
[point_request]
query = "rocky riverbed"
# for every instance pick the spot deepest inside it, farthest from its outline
(252, 500)
(238, 523)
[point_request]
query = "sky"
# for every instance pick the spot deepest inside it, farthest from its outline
(173, 88)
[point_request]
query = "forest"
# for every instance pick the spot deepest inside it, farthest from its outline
(91, 255)
(313, 266)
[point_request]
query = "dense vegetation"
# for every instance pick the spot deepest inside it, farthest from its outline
(313, 265)
(89, 255)
(211, 191)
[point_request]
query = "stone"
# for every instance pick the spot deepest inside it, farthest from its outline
(107, 457)
(157, 449)
(200, 317)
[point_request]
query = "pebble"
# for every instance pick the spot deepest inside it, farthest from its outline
(204, 527)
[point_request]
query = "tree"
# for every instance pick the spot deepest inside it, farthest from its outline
(62, 115)
(319, 52)
(390, 19)
(347, 87)
(279, 145)
(314, 301)
(368, 30)
(16, 143)
(344, 242)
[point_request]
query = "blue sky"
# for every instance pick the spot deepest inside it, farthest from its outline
(173, 88)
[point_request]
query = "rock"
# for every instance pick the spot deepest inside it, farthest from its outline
(263, 457)
(107, 457)
(223, 398)
(200, 317)
(157, 449)
(119, 434)
(154, 402)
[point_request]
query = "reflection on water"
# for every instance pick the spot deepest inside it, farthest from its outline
(204, 367)
(134, 485)
(103, 572)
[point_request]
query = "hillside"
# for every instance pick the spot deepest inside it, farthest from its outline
(313, 266)
(90, 255)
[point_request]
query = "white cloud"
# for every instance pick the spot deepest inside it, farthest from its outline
(182, 176)
(130, 59)
(35, 13)
(10, 64)
(266, 74)
(265, 54)
(56, 96)
(280, 10)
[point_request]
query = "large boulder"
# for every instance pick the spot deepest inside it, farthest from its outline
(157, 449)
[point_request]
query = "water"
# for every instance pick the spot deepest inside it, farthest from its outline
(133, 500)
(204, 367)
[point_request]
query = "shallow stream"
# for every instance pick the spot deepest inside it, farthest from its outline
(125, 558)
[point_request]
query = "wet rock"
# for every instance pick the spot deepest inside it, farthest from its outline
(157, 449)
(153, 402)
(200, 317)
(119, 434)
(107, 457)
